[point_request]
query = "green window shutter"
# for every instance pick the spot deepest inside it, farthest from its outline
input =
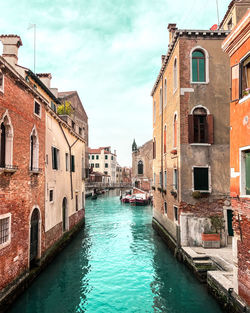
(247, 173)
(201, 70)
(194, 70)
(72, 163)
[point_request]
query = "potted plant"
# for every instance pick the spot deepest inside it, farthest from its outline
(212, 232)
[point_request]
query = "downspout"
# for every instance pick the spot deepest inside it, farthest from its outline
(70, 146)
(162, 133)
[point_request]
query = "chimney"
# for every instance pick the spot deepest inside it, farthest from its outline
(45, 78)
(11, 43)
(162, 58)
(54, 91)
(171, 28)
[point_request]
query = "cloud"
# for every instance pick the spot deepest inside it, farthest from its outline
(109, 51)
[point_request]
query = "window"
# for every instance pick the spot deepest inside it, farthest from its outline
(105, 172)
(51, 195)
(6, 141)
(67, 161)
(245, 77)
(73, 124)
(55, 158)
(175, 179)
(106, 165)
(1, 81)
(97, 157)
(200, 178)
(175, 213)
(245, 171)
(230, 24)
(80, 131)
(5, 225)
(93, 157)
(140, 167)
(165, 207)
(92, 164)
(34, 151)
(112, 158)
(106, 157)
(53, 106)
(154, 149)
(198, 66)
(200, 126)
(175, 74)
(37, 109)
(165, 92)
(175, 130)
(97, 165)
(72, 163)
(165, 139)
(160, 178)
(160, 101)
(165, 179)
(76, 202)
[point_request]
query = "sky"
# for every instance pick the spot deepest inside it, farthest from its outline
(109, 51)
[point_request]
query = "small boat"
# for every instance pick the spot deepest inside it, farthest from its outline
(132, 200)
(139, 199)
(126, 198)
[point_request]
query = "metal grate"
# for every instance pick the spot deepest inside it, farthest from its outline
(4, 230)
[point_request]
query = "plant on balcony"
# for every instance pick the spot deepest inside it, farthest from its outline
(246, 92)
(65, 108)
(196, 194)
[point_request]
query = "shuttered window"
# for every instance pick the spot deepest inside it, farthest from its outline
(200, 127)
(200, 179)
(247, 158)
(55, 158)
(72, 163)
(235, 83)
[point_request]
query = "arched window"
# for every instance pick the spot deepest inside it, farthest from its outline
(198, 66)
(200, 126)
(175, 130)
(6, 142)
(165, 92)
(165, 139)
(34, 150)
(175, 74)
(140, 167)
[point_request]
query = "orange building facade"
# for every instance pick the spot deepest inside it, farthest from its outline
(237, 45)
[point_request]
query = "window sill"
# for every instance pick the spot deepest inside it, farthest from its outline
(35, 171)
(245, 196)
(5, 244)
(200, 144)
(8, 169)
(199, 83)
(202, 191)
(244, 99)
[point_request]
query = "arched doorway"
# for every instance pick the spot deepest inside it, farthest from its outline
(34, 236)
(64, 215)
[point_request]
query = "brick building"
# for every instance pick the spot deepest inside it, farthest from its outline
(142, 161)
(42, 172)
(237, 46)
(22, 181)
(191, 136)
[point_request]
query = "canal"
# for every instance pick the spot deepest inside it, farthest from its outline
(116, 264)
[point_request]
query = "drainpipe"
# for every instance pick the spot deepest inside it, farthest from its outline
(70, 146)
(162, 133)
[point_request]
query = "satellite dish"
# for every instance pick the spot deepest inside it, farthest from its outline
(214, 27)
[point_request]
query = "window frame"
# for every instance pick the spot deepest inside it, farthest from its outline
(7, 242)
(40, 108)
(2, 85)
(209, 178)
(206, 65)
(242, 163)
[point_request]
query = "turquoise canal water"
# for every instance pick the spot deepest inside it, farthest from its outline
(116, 264)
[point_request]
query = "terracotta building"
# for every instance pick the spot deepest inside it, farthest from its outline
(191, 137)
(237, 45)
(22, 180)
(142, 161)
